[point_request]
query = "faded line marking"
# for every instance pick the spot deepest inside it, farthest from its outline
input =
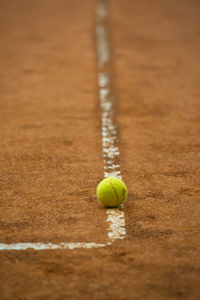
(49, 246)
(115, 217)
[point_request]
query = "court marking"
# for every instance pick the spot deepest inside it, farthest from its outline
(110, 148)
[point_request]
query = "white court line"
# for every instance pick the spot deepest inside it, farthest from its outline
(115, 217)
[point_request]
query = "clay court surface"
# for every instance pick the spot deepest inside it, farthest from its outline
(51, 150)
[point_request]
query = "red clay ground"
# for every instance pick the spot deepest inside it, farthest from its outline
(51, 148)
(51, 157)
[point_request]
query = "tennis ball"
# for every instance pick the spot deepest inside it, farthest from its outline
(111, 192)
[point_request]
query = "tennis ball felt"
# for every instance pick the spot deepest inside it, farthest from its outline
(111, 192)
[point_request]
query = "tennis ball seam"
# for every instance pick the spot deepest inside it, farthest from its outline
(114, 190)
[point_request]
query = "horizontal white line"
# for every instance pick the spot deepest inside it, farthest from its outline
(49, 246)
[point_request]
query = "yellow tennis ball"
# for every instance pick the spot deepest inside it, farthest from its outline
(111, 192)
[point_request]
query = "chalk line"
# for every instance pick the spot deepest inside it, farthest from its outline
(110, 149)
